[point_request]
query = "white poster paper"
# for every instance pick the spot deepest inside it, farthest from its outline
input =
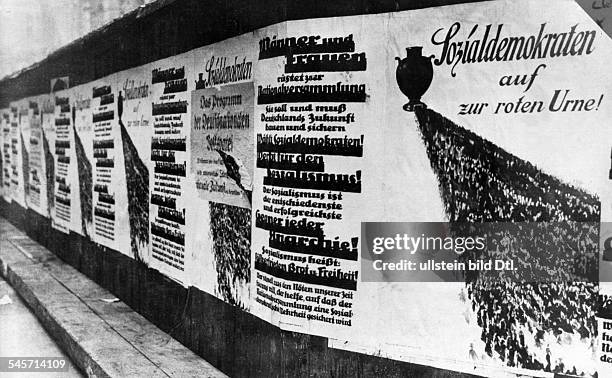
(46, 104)
(37, 179)
(65, 186)
(135, 124)
(110, 219)
(170, 195)
(19, 121)
(5, 123)
(222, 133)
(315, 84)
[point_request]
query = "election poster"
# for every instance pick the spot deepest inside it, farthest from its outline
(37, 180)
(19, 121)
(5, 124)
(222, 163)
(171, 196)
(316, 87)
(82, 130)
(135, 128)
(46, 105)
(2, 153)
(65, 187)
(110, 210)
(488, 109)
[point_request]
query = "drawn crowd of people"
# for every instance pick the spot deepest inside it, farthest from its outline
(550, 230)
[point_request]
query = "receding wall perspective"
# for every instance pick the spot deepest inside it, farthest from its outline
(228, 192)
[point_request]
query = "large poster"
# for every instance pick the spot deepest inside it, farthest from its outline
(222, 133)
(19, 171)
(170, 194)
(135, 125)
(110, 208)
(314, 89)
(5, 123)
(37, 180)
(46, 105)
(488, 109)
(81, 105)
(64, 167)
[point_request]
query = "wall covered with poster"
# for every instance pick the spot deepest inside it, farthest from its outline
(247, 168)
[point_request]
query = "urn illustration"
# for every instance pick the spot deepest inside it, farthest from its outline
(414, 74)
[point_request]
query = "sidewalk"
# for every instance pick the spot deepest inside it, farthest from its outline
(102, 335)
(22, 335)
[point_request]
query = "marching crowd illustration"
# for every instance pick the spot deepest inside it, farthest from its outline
(549, 228)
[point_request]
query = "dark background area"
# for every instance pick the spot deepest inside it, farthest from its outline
(170, 27)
